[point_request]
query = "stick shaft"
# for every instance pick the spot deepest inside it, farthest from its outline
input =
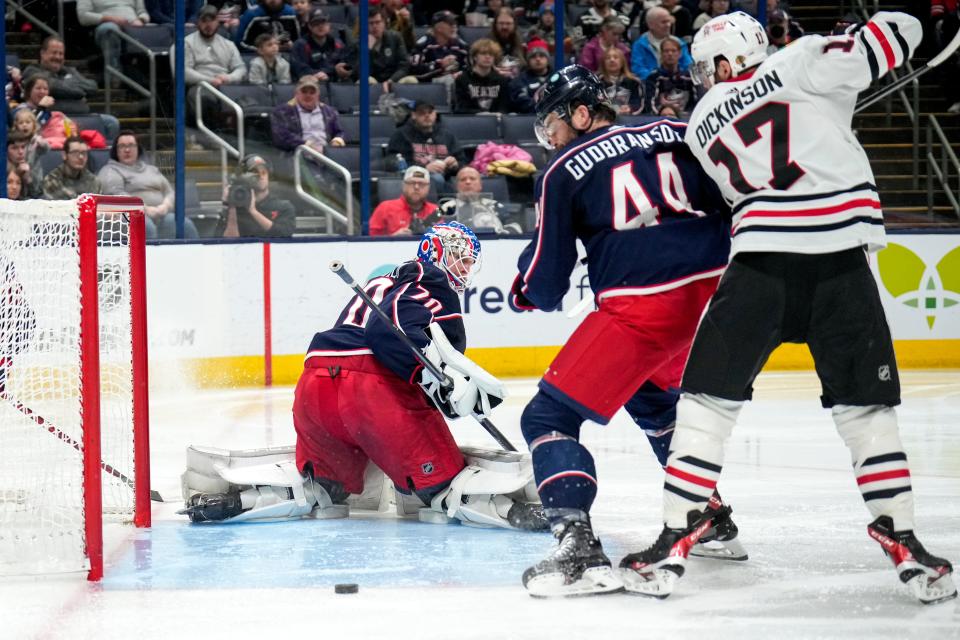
(397, 331)
(896, 85)
(337, 267)
(48, 426)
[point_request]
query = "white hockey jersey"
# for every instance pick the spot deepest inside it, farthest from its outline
(778, 141)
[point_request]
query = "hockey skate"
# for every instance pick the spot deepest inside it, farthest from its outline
(654, 571)
(212, 507)
(720, 541)
(578, 567)
(528, 516)
(928, 576)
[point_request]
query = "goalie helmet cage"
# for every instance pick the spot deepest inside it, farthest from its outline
(73, 380)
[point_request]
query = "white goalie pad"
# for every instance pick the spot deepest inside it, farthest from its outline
(204, 464)
(500, 472)
(483, 493)
(272, 488)
(270, 485)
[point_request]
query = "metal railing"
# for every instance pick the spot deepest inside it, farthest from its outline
(911, 105)
(150, 93)
(331, 213)
(37, 22)
(225, 147)
(941, 169)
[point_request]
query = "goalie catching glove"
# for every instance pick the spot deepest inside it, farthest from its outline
(474, 390)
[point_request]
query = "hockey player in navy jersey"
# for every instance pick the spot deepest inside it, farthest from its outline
(363, 396)
(774, 133)
(656, 242)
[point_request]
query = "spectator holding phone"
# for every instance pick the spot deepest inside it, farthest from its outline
(389, 58)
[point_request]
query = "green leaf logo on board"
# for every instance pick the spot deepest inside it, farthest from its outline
(911, 282)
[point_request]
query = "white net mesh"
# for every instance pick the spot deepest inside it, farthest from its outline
(41, 430)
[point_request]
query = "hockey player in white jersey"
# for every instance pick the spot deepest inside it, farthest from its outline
(774, 133)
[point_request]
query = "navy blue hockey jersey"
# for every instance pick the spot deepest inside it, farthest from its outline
(649, 217)
(414, 295)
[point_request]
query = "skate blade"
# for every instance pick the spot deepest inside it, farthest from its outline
(717, 550)
(655, 583)
(932, 591)
(594, 581)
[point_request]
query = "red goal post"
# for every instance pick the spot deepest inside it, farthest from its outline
(74, 415)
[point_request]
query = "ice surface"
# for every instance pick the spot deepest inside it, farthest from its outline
(812, 573)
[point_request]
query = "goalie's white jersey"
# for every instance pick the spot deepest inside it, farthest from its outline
(779, 144)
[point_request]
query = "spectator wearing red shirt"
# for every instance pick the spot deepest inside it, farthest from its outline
(410, 214)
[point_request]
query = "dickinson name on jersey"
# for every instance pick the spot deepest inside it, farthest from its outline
(740, 98)
(617, 145)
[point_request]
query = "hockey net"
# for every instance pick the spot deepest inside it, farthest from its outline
(73, 411)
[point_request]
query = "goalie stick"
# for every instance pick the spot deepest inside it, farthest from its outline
(338, 268)
(40, 421)
(897, 84)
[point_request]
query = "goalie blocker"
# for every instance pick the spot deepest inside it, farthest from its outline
(495, 489)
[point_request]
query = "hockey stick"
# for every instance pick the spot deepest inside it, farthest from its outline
(40, 421)
(897, 84)
(337, 267)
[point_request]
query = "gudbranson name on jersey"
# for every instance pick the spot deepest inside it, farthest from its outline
(740, 98)
(618, 144)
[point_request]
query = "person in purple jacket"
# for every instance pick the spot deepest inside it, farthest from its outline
(305, 120)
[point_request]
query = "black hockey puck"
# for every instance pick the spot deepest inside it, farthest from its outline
(346, 588)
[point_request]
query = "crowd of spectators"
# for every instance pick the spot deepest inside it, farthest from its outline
(490, 57)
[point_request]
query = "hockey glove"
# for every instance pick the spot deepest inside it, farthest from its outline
(456, 401)
(520, 301)
(487, 392)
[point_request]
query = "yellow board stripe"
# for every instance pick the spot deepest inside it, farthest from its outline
(531, 362)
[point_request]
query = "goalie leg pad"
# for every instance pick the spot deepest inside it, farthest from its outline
(269, 490)
(496, 489)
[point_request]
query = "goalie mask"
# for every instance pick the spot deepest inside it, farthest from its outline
(737, 37)
(454, 248)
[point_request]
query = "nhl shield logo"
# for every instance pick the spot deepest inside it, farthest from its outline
(884, 373)
(427, 467)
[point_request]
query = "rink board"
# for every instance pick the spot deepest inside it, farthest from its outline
(216, 310)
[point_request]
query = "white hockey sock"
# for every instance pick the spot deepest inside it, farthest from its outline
(879, 462)
(696, 454)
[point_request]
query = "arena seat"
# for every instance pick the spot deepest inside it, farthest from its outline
(433, 92)
(345, 97)
(473, 129)
(381, 128)
(518, 129)
(472, 34)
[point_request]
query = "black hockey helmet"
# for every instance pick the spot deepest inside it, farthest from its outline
(564, 91)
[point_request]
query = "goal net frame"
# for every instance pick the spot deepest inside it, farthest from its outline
(90, 211)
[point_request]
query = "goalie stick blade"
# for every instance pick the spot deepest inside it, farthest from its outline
(657, 583)
(930, 590)
(155, 496)
(595, 581)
